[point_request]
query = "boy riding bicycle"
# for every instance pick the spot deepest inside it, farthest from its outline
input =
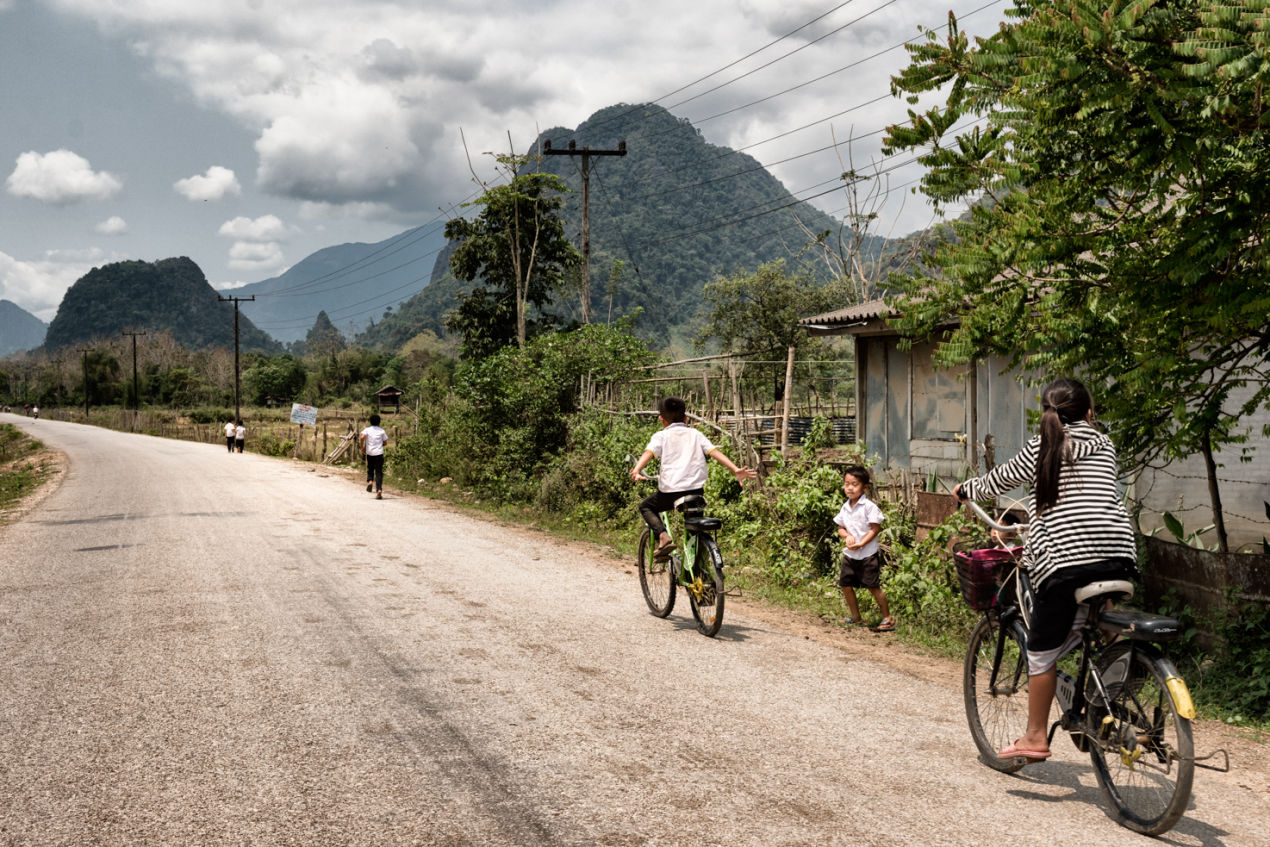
(683, 452)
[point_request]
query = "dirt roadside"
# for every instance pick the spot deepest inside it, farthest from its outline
(57, 463)
(1249, 749)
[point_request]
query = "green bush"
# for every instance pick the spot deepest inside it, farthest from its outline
(589, 479)
(1233, 681)
(921, 580)
(786, 529)
(207, 415)
(270, 444)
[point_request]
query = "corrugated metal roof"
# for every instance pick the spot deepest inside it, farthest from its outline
(842, 318)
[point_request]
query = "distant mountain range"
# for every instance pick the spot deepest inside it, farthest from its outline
(19, 329)
(171, 294)
(676, 211)
(353, 283)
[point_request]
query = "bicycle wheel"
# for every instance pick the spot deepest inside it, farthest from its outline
(1144, 754)
(997, 713)
(705, 593)
(656, 579)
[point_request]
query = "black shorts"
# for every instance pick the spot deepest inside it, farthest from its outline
(860, 573)
(1055, 608)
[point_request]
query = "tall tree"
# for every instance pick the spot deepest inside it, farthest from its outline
(324, 339)
(1119, 229)
(517, 248)
(756, 314)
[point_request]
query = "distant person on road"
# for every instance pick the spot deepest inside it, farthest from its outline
(240, 435)
(683, 452)
(35, 411)
(230, 435)
(859, 522)
(372, 441)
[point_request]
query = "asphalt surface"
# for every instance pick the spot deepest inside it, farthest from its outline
(204, 648)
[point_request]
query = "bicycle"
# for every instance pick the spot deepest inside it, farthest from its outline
(1125, 705)
(696, 564)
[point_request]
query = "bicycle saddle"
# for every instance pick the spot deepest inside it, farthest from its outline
(690, 503)
(1121, 587)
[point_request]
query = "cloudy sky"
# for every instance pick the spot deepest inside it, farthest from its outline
(246, 134)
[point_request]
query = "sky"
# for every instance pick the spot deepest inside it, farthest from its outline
(248, 134)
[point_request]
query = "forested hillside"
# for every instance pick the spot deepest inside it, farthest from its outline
(675, 210)
(171, 294)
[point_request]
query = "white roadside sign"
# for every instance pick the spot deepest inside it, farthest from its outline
(304, 415)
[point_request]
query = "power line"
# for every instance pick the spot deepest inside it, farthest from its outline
(785, 56)
(732, 64)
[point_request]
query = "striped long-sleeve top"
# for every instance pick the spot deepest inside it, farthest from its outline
(1088, 523)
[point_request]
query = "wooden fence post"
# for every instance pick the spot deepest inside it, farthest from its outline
(789, 388)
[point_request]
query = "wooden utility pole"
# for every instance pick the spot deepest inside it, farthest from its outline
(586, 153)
(136, 391)
(789, 389)
(236, 300)
(85, 350)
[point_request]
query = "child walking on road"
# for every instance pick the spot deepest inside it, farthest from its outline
(859, 522)
(683, 452)
(372, 440)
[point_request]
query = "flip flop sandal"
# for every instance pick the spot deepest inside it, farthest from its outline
(887, 625)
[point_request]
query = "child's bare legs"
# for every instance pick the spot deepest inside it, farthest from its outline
(880, 599)
(853, 607)
(1040, 694)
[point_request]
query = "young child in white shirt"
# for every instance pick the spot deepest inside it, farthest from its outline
(683, 452)
(859, 522)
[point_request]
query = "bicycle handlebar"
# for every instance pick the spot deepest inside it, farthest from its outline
(986, 518)
(649, 477)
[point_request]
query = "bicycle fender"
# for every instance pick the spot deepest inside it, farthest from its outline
(1177, 688)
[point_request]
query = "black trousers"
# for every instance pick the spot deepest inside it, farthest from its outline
(654, 504)
(375, 471)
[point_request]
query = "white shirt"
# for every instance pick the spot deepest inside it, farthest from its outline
(376, 438)
(857, 522)
(229, 430)
(682, 451)
(240, 433)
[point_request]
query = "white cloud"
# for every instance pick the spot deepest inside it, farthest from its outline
(60, 178)
(366, 107)
(38, 286)
(216, 184)
(263, 228)
(114, 225)
(368, 152)
(255, 256)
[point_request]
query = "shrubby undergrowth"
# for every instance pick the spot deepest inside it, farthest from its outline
(509, 430)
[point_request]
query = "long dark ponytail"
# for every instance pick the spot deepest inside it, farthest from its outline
(1063, 401)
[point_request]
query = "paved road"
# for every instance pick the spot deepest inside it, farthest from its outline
(199, 648)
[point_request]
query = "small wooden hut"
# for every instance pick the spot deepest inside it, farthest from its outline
(389, 396)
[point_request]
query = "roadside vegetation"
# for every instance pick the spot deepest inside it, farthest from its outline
(22, 469)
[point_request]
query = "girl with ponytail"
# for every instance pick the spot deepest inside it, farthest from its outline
(1079, 532)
